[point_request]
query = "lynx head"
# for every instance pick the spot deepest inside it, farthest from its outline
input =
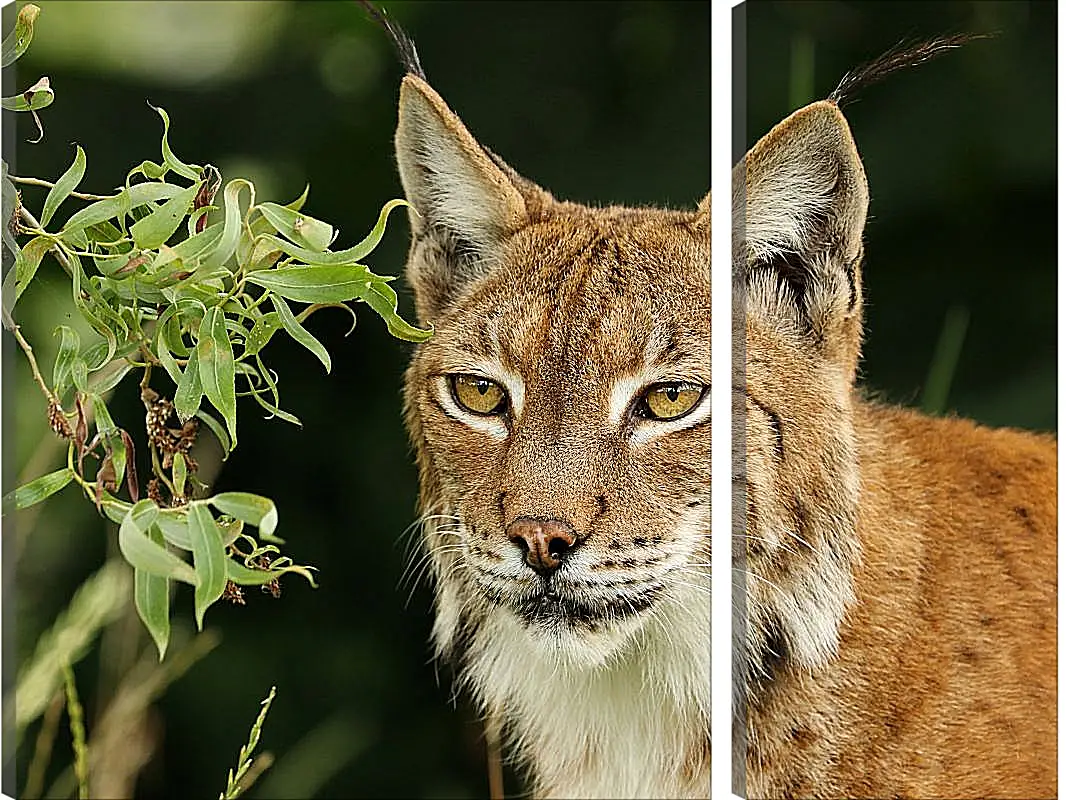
(799, 200)
(560, 412)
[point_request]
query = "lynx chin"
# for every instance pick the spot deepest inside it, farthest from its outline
(901, 569)
(560, 415)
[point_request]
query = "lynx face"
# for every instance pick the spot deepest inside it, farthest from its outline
(561, 410)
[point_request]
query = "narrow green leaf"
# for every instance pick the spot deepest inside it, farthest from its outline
(180, 472)
(148, 169)
(166, 358)
(78, 281)
(315, 284)
(95, 356)
(231, 225)
(69, 345)
(231, 528)
(103, 308)
(16, 42)
(311, 309)
(246, 576)
(191, 250)
(38, 96)
(152, 231)
(118, 457)
(347, 257)
(10, 203)
(298, 203)
(201, 290)
(326, 259)
(366, 247)
(251, 508)
(189, 392)
(78, 239)
(38, 489)
(26, 267)
(112, 264)
(214, 354)
(170, 160)
(209, 557)
(299, 332)
(115, 509)
(104, 423)
(151, 596)
(105, 385)
(175, 527)
(104, 232)
(181, 313)
(144, 553)
(62, 189)
(273, 410)
(132, 290)
(218, 430)
(119, 205)
(261, 333)
(272, 385)
(262, 255)
(79, 373)
(381, 297)
(300, 228)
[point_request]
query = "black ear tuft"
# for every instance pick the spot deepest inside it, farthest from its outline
(405, 47)
(904, 54)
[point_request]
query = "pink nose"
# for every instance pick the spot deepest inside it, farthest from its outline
(544, 541)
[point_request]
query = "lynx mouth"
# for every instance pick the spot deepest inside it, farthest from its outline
(552, 607)
(566, 601)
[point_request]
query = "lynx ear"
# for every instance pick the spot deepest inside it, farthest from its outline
(464, 203)
(802, 194)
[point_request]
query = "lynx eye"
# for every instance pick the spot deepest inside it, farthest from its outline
(478, 395)
(666, 401)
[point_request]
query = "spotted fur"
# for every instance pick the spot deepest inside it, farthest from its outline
(898, 616)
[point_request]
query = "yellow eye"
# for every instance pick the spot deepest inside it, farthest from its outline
(667, 401)
(478, 395)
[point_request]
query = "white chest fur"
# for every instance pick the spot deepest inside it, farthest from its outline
(634, 726)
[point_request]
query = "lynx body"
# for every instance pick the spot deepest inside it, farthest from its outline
(901, 570)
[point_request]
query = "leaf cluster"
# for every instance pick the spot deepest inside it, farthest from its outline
(185, 277)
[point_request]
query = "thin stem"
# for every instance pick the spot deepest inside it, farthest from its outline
(47, 184)
(90, 254)
(17, 332)
(57, 249)
(90, 488)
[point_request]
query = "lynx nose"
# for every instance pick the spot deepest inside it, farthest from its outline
(544, 541)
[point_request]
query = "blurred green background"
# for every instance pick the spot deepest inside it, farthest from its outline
(599, 102)
(960, 154)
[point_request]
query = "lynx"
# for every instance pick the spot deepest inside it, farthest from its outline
(560, 416)
(901, 570)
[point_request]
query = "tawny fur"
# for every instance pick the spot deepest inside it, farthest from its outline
(574, 311)
(900, 570)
